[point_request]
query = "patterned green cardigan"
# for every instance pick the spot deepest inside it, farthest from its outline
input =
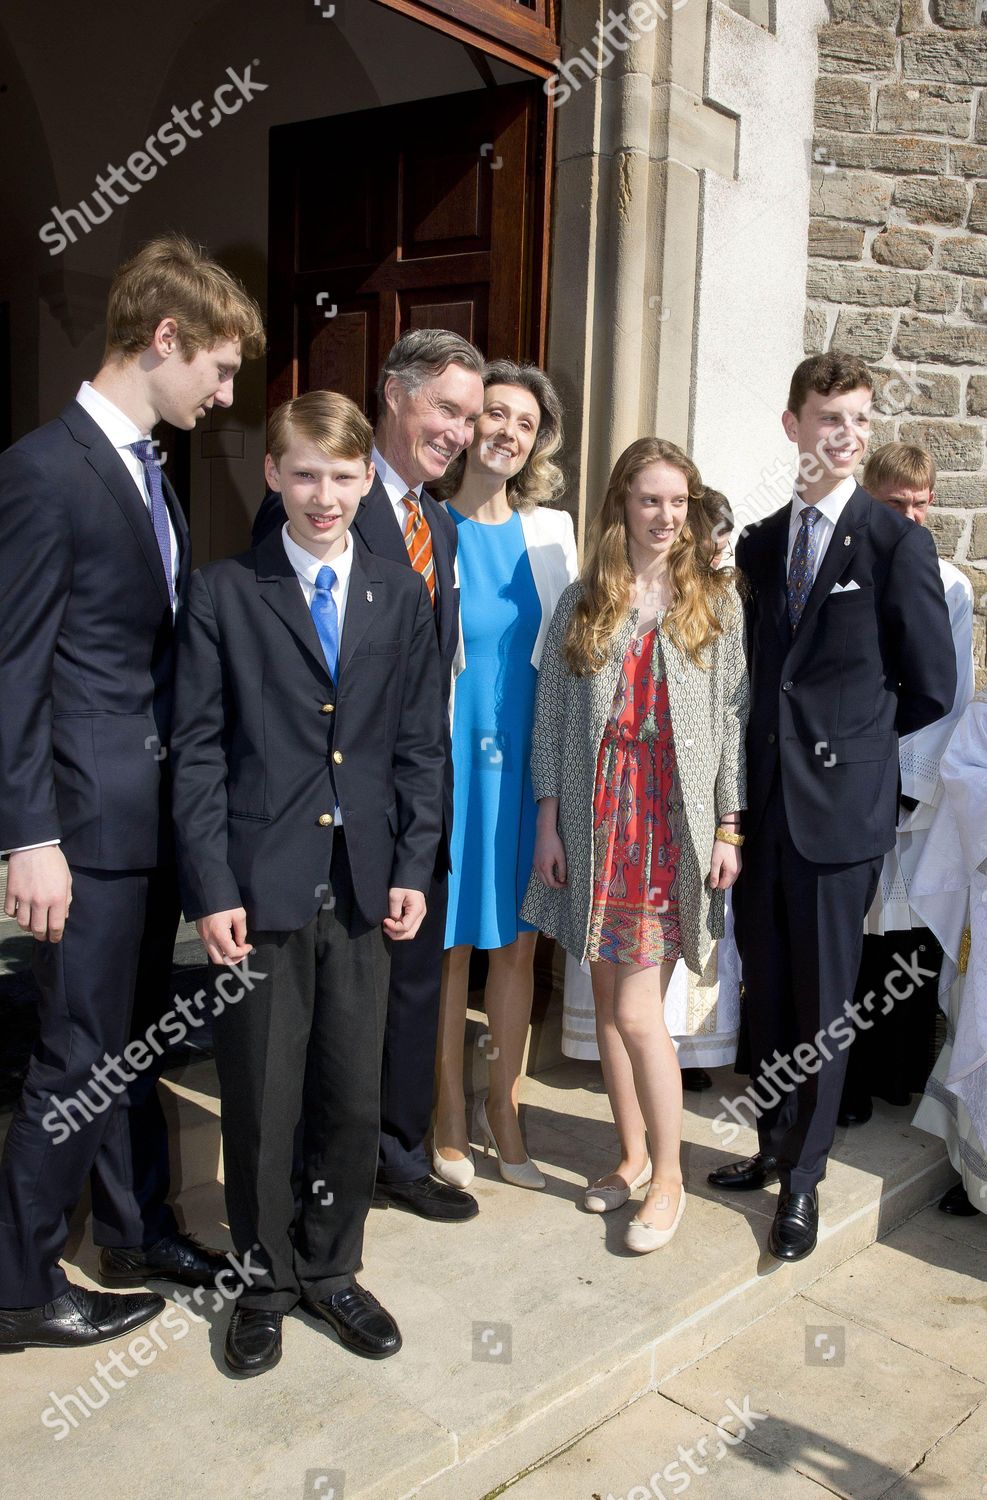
(709, 721)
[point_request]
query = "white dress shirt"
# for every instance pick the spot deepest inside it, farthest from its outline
(307, 571)
(830, 509)
(396, 491)
(121, 432)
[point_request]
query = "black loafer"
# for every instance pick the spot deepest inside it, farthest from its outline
(957, 1203)
(362, 1324)
(695, 1080)
(793, 1231)
(429, 1199)
(253, 1340)
(76, 1318)
(744, 1176)
(857, 1113)
(178, 1257)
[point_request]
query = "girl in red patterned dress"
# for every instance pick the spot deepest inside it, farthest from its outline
(638, 769)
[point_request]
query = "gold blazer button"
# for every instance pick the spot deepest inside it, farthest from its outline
(325, 820)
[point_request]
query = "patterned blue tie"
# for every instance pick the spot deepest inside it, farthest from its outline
(326, 617)
(144, 449)
(802, 569)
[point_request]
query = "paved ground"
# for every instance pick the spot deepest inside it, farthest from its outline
(531, 1325)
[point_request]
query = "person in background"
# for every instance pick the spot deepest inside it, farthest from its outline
(637, 763)
(516, 556)
(892, 1057)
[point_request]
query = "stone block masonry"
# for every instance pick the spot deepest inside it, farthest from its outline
(898, 240)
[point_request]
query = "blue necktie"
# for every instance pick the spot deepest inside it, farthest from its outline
(326, 618)
(144, 449)
(802, 569)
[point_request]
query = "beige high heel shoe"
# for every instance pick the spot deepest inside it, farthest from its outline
(601, 1199)
(518, 1173)
(644, 1237)
(457, 1173)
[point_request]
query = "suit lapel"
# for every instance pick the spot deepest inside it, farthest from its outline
(377, 527)
(363, 602)
(773, 535)
(839, 553)
(103, 458)
(279, 586)
(181, 534)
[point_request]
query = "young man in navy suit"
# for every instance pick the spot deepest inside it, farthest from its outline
(308, 759)
(429, 395)
(94, 562)
(850, 647)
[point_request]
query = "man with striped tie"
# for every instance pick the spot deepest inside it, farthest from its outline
(850, 646)
(429, 394)
(94, 565)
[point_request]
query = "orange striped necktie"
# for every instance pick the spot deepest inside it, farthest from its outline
(418, 540)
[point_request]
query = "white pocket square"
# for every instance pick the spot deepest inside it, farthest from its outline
(844, 588)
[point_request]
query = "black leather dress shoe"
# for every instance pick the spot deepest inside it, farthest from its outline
(362, 1324)
(76, 1318)
(744, 1176)
(796, 1222)
(429, 1198)
(253, 1340)
(695, 1080)
(178, 1257)
(857, 1113)
(957, 1203)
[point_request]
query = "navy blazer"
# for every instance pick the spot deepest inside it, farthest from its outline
(377, 527)
(265, 744)
(865, 665)
(86, 651)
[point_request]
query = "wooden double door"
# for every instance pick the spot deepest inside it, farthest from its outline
(430, 214)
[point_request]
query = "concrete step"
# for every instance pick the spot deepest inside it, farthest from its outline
(523, 1328)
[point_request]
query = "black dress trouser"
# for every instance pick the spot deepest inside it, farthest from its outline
(299, 1072)
(800, 932)
(105, 984)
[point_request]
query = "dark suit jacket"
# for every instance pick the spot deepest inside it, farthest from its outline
(264, 743)
(864, 666)
(377, 527)
(86, 651)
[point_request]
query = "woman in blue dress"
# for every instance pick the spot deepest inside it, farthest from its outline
(515, 558)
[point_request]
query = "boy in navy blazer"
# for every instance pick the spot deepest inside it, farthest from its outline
(308, 759)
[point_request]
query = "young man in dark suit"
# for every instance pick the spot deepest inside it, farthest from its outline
(94, 563)
(850, 647)
(308, 758)
(429, 394)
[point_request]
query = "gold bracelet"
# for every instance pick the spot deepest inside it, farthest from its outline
(726, 837)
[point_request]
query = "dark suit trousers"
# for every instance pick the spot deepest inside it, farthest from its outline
(103, 985)
(408, 1070)
(299, 1056)
(800, 933)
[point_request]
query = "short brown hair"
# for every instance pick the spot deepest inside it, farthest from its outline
(900, 466)
(829, 374)
(172, 277)
(333, 422)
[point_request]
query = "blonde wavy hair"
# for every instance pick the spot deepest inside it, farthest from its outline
(703, 594)
(541, 481)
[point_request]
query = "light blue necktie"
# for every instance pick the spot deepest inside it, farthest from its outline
(326, 617)
(802, 569)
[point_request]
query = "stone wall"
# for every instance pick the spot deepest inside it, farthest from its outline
(898, 240)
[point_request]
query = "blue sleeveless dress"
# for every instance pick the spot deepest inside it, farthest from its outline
(494, 810)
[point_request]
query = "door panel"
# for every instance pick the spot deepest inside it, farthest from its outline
(429, 214)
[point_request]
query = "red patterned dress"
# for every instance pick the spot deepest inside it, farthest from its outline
(637, 812)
